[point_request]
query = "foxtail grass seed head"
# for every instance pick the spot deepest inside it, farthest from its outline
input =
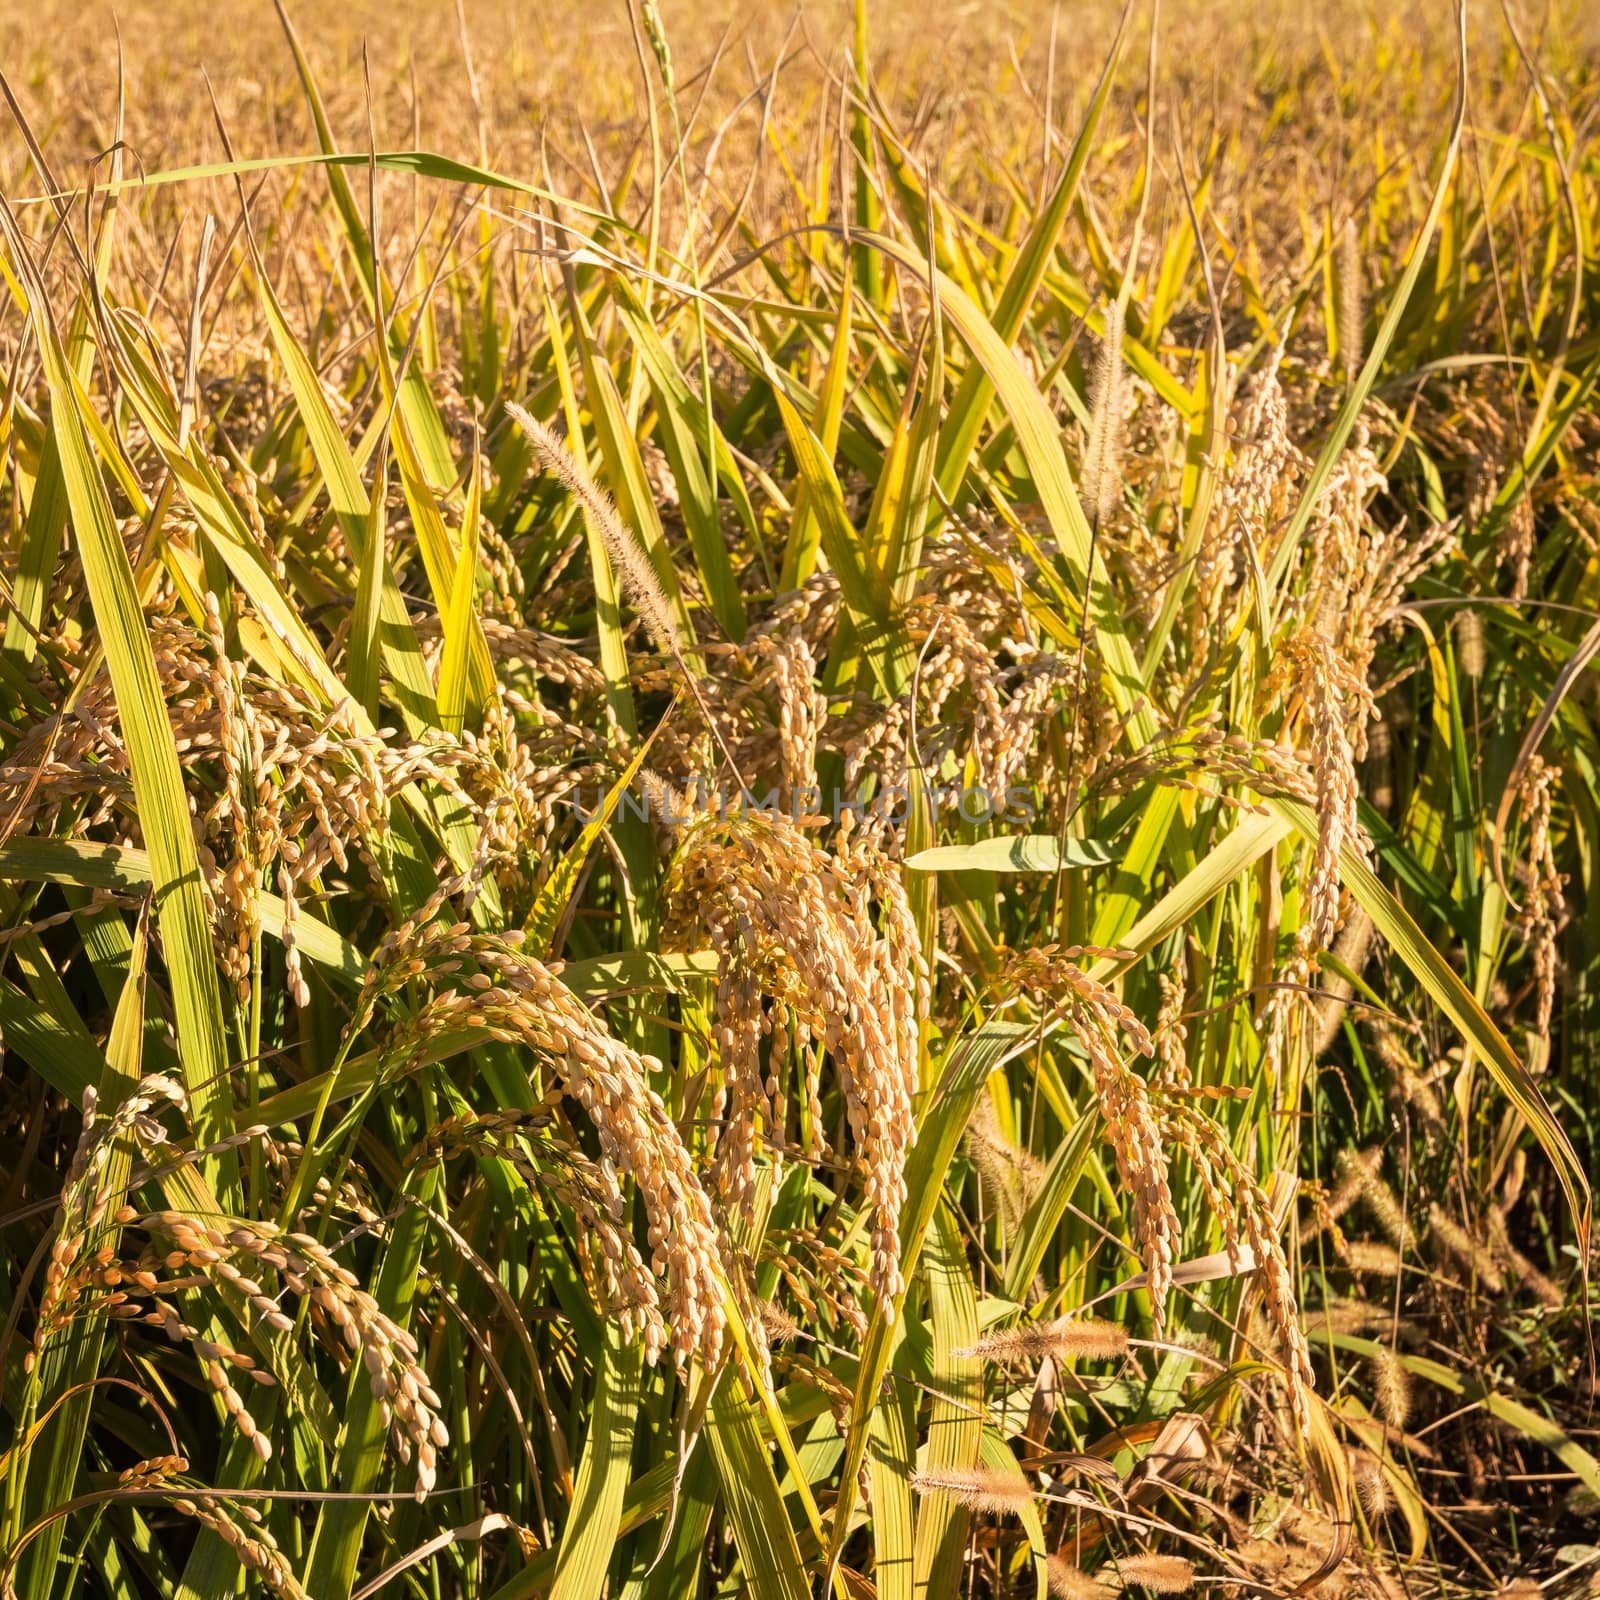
(1361, 1170)
(1102, 455)
(1064, 1339)
(1158, 1574)
(1391, 1386)
(1378, 1260)
(984, 1489)
(635, 569)
(1010, 1175)
(1516, 1265)
(1471, 651)
(1352, 301)
(1068, 1582)
(1469, 1255)
(1371, 1485)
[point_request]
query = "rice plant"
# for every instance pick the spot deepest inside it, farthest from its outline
(798, 805)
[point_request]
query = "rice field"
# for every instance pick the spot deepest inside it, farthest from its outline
(799, 803)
